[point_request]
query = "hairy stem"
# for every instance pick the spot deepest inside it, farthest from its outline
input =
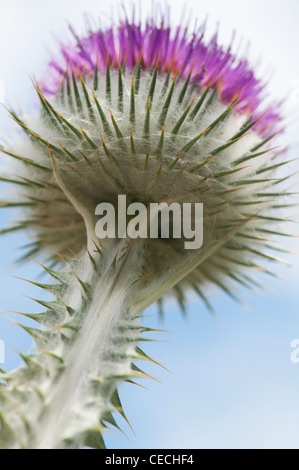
(78, 371)
(106, 310)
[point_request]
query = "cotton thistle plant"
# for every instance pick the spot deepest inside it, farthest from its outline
(158, 115)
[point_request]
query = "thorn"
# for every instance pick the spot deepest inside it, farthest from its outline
(144, 356)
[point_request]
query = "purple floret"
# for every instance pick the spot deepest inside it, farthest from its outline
(179, 51)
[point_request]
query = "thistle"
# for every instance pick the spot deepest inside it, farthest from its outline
(159, 116)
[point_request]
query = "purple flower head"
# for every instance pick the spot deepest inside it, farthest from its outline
(176, 51)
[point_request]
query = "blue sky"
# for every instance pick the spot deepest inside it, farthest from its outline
(232, 383)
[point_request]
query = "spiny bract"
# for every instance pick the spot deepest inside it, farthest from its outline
(158, 116)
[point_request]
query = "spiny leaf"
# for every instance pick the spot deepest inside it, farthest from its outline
(76, 92)
(89, 140)
(96, 77)
(47, 111)
(115, 125)
(200, 165)
(70, 154)
(184, 88)
(192, 142)
(179, 123)
(273, 219)
(273, 232)
(115, 400)
(42, 338)
(211, 101)
(132, 104)
(62, 277)
(166, 83)
(35, 137)
(166, 105)
(201, 100)
(55, 289)
(146, 129)
(153, 84)
(138, 74)
(160, 145)
(250, 157)
(85, 286)
(69, 93)
(253, 181)
(222, 116)
(247, 126)
(265, 141)
(273, 167)
(247, 203)
(108, 81)
(155, 180)
(146, 357)
(175, 161)
(26, 160)
(133, 148)
(111, 178)
(222, 174)
(267, 256)
(224, 147)
(120, 104)
(17, 204)
(12, 181)
(12, 229)
(69, 125)
(87, 99)
(102, 116)
(146, 158)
